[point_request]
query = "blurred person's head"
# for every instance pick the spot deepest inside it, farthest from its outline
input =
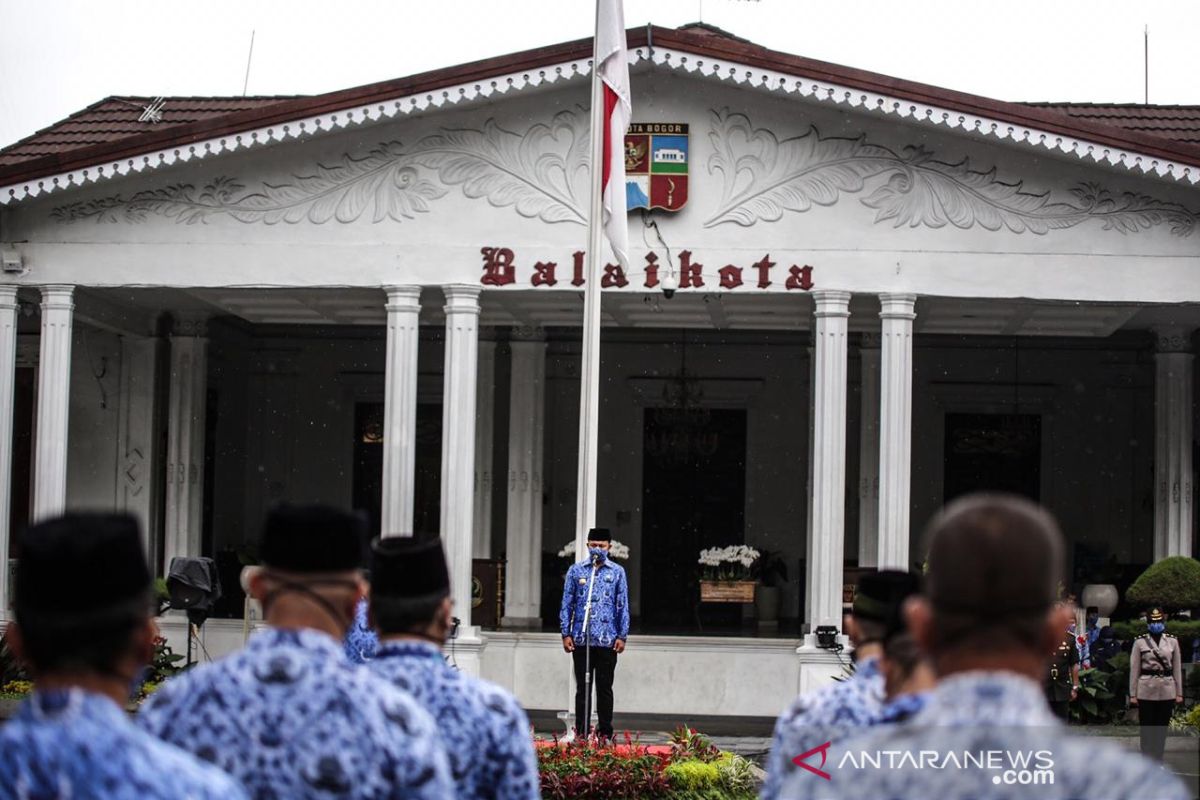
(989, 601)
(1093, 616)
(876, 612)
(310, 572)
(410, 589)
(906, 668)
(82, 603)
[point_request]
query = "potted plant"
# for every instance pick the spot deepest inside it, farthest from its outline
(771, 572)
(725, 574)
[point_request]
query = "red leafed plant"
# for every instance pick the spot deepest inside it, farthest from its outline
(582, 769)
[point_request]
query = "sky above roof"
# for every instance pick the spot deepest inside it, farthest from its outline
(56, 58)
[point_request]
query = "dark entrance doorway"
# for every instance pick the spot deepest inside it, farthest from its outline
(993, 452)
(368, 465)
(693, 497)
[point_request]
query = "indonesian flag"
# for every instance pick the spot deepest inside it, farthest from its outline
(613, 69)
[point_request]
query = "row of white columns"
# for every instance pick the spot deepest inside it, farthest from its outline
(466, 458)
(885, 447)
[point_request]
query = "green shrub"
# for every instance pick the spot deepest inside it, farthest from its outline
(1172, 584)
(692, 774)
(1183, 629)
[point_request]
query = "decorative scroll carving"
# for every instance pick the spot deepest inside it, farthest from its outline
(542, 173)
(765, 177)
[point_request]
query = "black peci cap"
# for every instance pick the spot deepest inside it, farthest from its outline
(408, 568)
(81, 569)
(880, 595)
(312, 538)
(599, 535)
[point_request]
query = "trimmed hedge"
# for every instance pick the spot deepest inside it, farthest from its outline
(1184, 630)
(1171, 584)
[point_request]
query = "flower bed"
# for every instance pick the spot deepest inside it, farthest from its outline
(689, 768)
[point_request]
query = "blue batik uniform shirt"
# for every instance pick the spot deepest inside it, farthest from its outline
(823, 715)
(70, 744)
(361, 642)
(610, 604)
(999, 718)
(291, 717)
(484, 729)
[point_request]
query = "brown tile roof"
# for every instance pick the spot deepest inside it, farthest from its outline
(116, 118)
(61, 153)
(1174, 123)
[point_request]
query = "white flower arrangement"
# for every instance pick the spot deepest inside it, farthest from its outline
(617, 550)
(732, 563)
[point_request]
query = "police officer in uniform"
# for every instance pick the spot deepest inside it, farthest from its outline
(1155, 682)
(1062, 677)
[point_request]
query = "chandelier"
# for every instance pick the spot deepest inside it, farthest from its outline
(682, 431)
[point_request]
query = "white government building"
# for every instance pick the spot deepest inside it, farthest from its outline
(890, 294)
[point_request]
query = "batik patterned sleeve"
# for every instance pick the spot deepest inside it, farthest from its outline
(622, 615)
(567, 607)
(516, 768)
(775, 762)
(422, 766)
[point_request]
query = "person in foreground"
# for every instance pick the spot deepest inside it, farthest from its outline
(608, 628)
(82, 604)
(989, 622)
(289, 715)
(840, 707)
(485, 730)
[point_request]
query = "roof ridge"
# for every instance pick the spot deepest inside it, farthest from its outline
(1043, 122)
(1083, 104)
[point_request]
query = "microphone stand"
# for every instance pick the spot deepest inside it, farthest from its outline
(587, 651)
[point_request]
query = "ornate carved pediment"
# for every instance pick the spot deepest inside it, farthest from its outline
(764, 177)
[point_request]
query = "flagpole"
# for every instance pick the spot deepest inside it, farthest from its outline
(589, 373)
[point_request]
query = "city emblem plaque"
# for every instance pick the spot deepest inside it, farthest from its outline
(656, 165)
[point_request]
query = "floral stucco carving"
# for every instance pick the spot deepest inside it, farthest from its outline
(764, 177)
(541, 173)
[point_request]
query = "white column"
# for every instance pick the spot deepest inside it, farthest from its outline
(53, 402)
(458, 442)
(485, 434)
(825, 570)
(526, 426)
(8, 375)
(188, 390)
(1173, 493)
(137, 436)
(868, 453)
(400, 410)
(895, 428)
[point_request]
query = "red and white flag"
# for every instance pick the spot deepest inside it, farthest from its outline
(612, 65)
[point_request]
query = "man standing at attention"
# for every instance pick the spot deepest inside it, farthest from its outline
(842, 706)
(289, 715)
(989, 621)
(82, 603)
(608, 627)
(485, 730)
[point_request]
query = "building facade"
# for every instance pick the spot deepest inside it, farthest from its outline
(889, 295)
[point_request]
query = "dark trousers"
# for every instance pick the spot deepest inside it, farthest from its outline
(1153, 716)
(604, 664)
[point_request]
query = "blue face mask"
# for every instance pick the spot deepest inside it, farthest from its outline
(1157, 627)
(600, 553)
